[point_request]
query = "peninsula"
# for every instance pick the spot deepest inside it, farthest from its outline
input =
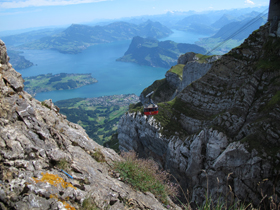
(18, 61)
(62, 81)
(151, 52)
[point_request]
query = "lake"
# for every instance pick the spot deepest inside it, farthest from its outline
(113, 77)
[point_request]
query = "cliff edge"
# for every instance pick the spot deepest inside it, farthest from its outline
(47, 162)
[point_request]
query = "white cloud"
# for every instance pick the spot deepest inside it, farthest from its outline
(39, 3)
(249, 2)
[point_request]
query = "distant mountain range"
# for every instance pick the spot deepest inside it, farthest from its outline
(209, 25)
(78, 37)
(235, 31)
(30, 36)
(151, 52)
(218, 25)
(228, 29)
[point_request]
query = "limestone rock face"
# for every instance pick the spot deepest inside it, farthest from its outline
(187, 57)
(220, 135)
(47, 162)
(193, 71)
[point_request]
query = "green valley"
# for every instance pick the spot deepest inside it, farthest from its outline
(98, 116)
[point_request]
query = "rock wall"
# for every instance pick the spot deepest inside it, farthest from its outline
(47, 162)
(220, 136)
(194, 69)
(207, 162)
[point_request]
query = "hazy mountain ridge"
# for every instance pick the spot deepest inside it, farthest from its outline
(151, 52)
(78, 37)
(30, 36)
(210, 23)
(235, 32)
(227, 30)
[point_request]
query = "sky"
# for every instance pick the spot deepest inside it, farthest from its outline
(21, 14)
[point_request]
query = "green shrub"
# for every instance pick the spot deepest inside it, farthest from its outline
(64, 165)
(89, 204)
(98, 156)
(145, 175)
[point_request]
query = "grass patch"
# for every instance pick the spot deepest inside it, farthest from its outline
(98, 156)
(178, 69)
(136, 107)
(45, 105)
(145, 175)
(153, 87)
(64, 165)
(273, 101)
(89, 204)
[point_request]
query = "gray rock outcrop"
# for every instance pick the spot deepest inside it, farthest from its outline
(47, 162)
(220, 135)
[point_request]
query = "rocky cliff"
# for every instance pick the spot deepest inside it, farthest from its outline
(190, 67)
(47, 162)
(220, 135)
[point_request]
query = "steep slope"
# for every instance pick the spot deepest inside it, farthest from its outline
(47, 162)
(220, 135)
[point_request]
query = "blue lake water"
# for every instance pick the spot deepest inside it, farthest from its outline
(99, 60)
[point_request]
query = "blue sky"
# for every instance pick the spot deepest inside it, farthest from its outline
(20, 14)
